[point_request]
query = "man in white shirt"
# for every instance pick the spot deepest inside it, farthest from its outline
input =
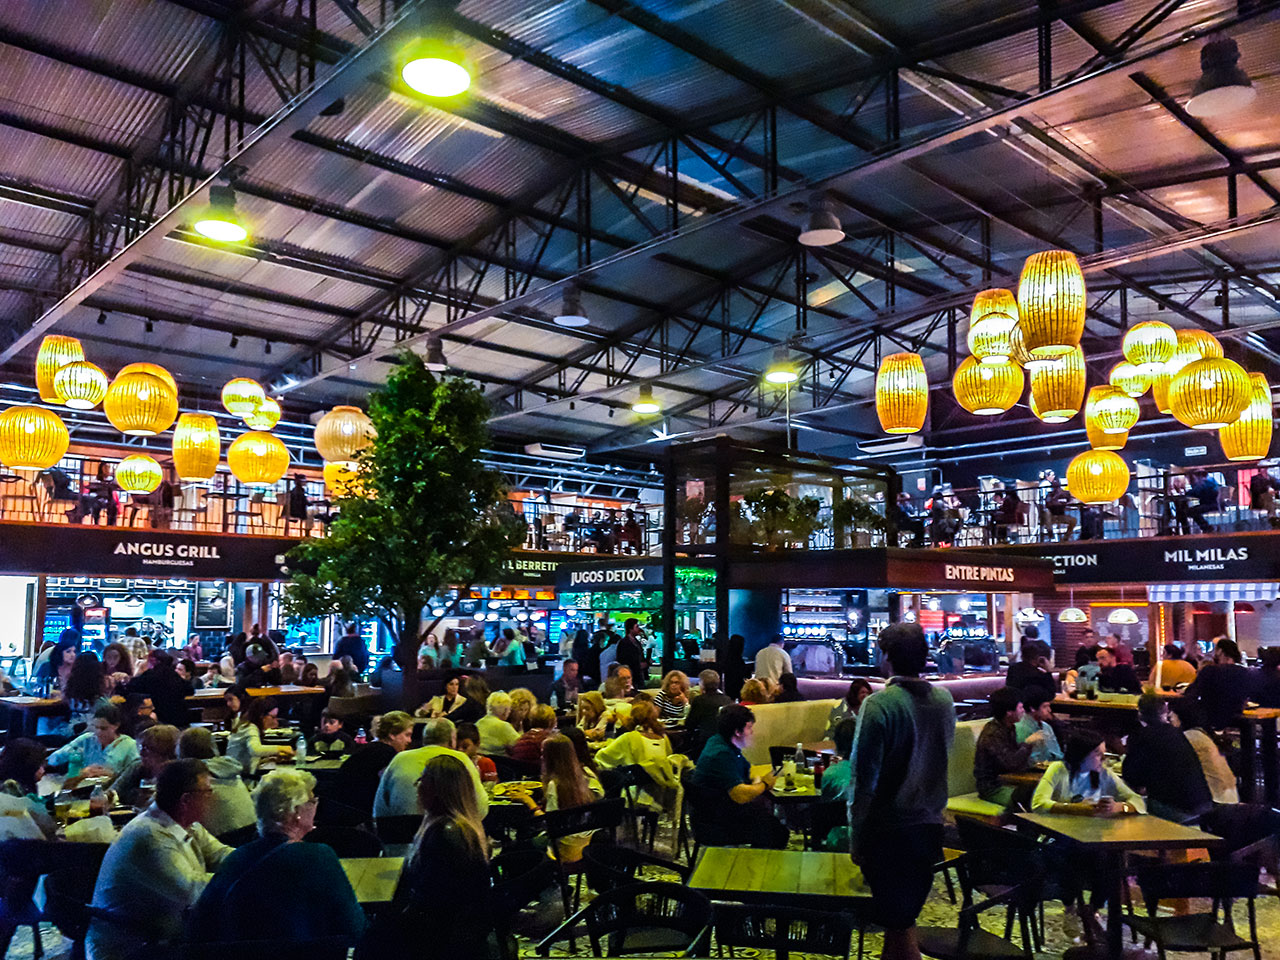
(398, 789)
(772, 661)
(157, 868)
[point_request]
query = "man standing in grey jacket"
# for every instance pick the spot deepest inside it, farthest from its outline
(898, 787)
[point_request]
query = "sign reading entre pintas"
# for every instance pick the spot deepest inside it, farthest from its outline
(961, 571)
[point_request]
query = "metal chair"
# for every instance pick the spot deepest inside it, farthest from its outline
(783, 930)
(603, 815)
(968, 940)
(641, 918)
(519, 879)
(347, 841)
(1221, 883)
(609, 867)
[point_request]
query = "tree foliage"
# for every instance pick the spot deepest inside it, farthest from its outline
(430, 514)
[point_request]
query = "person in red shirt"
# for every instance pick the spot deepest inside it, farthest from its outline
(469, 743)
(542, 724)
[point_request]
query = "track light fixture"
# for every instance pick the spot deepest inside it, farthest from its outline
(435, 360)
(102, 318)
(266, 347)
(150, 327)
(235, 341)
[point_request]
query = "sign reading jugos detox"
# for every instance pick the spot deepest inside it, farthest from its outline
(608, 576)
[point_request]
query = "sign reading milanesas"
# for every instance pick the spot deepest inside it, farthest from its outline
(608, 577)
(124, 552)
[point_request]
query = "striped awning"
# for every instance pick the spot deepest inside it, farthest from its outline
(1211, 592)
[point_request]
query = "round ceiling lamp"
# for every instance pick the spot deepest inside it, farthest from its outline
(1028, 615)
(140, 404)
(1149, 344)
(1209, 394)
(1111, 409)
(343, 432)
(434, 69)
(902, 393)
(645, 403)
(152, 368)
(196, 447)
(1057, 388)
(32, 438)
(1130, 379)
(1223, 87)
(823, 227)
(781, 371)
(56, 351)
(1193, 344)
(1051, 303)
(80, 385)
(342, 478)
(571, 313)
(1097, 476)
(1249, 437)
(1072, 613)
(265, 416)
(241, 396)
(1122, 616)
(1103, 441)
(219, 221)
(138, 474)
(986, 389)
(258, 459)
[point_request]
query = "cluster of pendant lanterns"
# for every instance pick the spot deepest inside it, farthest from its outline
(340, 436)
(1036, 336)
(142, 401)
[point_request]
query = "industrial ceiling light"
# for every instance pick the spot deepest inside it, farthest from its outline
(1027, 616)
(645, 403)
(781, 371)
(1223, 87)
(1073, 614)
(823, 226)
(219, 221)
(435, 361)
(102, 318)
(1122, 616)
(434, 69)
(571, 314)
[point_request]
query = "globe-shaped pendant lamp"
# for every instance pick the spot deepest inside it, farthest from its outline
(1019, 354)
(80, 385)
(1111, 410)
(1130, 378)
(55, 352)
(1149, 344)
(1192, 345)
(32, 438)
(265, 416)
(1209, 394)
(1103, 441)
(138, 474)
(140, 404)
(986, 389)
(152, 368)
(1051, 303)
(196, 447)
(343, 432)
(241, 396)
(1249, 437)
(902, 393)
(1057, 388)
(258, 459)
(1097, 476)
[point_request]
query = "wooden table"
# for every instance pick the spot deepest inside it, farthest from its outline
(1022, 778)
(24, 710)
(373, 879)
(826, 747)
(1109, 838)
(798, 878)
(280, 693)
(804, 789)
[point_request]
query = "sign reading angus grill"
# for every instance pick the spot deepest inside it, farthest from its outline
(125, 552)
(1244, 556)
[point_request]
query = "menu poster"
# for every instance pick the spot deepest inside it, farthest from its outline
(213, 605)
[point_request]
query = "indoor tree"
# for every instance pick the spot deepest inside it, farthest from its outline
(429, 515)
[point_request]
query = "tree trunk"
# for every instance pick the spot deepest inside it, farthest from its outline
(406, 654)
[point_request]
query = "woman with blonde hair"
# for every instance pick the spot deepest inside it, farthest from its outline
(565, 783)
(593, 716)
(522, 703)
(672, 700)
(644, 745)
(753, 692)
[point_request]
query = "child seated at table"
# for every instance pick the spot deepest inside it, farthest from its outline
(1079, 784)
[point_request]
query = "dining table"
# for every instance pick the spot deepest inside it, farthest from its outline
(373, 879)
(809, 879)
(23, 711)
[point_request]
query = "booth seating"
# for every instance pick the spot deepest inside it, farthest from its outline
(431, 684)
(366, 703)
(962, 789)
(973, 687)
(785, 725)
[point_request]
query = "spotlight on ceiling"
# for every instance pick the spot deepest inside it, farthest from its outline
(436, 362)
(235, 341)
(1223, 87)
(645, 402)
(435, 69)
(781, 370)
(823, 226)
(219, 220)
(571, 314)
(151, 327)
(102, 317)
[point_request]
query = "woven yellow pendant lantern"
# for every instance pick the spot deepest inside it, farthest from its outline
(258, 459)
(32, 438)
(1149, 344)
(140, 404)
(1249, 438)
(991, 324)
(196, 447)
(1097, 476)
(56, 351)
(343, 432)
(1209, 394)
(1051, 303)
(1192, 345)
(138, 474)
(241, 396)
(80, 385)
(342, 478)
(1019, 355)
(266, 416)
(1057, 388)
(1160, 389)
(902, 393)
(152, 368)
(1130, 379)
(1103, 441)
(986, 389)
(1111, 410)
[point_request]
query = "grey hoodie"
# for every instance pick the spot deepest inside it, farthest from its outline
(231, 806)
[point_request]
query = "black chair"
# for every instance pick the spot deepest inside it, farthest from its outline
(603, 815)
(608, 867)
(999, 860)
(397, 830)
(509, 769)
(704, 806)
(968, 940)
(22, 863)
(240, 836)
(334, 813)
(519, 879)
(67, 897)
(825, 817)
(783, 930)
(641, 918)
(625, 782)
(1221, 883)
(347, 841)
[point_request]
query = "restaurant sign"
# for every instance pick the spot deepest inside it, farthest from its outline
(123, 552)
(608, 577)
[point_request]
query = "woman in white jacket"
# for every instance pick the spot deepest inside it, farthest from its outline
(245, 743)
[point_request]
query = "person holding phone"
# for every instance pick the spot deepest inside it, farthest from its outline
(1079, 784)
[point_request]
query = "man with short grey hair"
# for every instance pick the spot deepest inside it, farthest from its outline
(496, 734)
(700, 724)
(398, 790)
(230, 806)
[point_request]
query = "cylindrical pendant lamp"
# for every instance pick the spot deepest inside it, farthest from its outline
(991, 323)
(56, 351)
(1051, 303)
(1249, 438)
(986, 389)
(196, 447)
(1057, 388)
(902, 393)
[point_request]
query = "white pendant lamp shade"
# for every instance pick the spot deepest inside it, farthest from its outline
(1073, 615)
(571, 313)
(1122, 616)
(823, 226)
(1223, 87)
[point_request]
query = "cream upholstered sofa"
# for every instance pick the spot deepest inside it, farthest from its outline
(962, 789)
(786, 724)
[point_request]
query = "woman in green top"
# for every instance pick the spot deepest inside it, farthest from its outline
(100, 751)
